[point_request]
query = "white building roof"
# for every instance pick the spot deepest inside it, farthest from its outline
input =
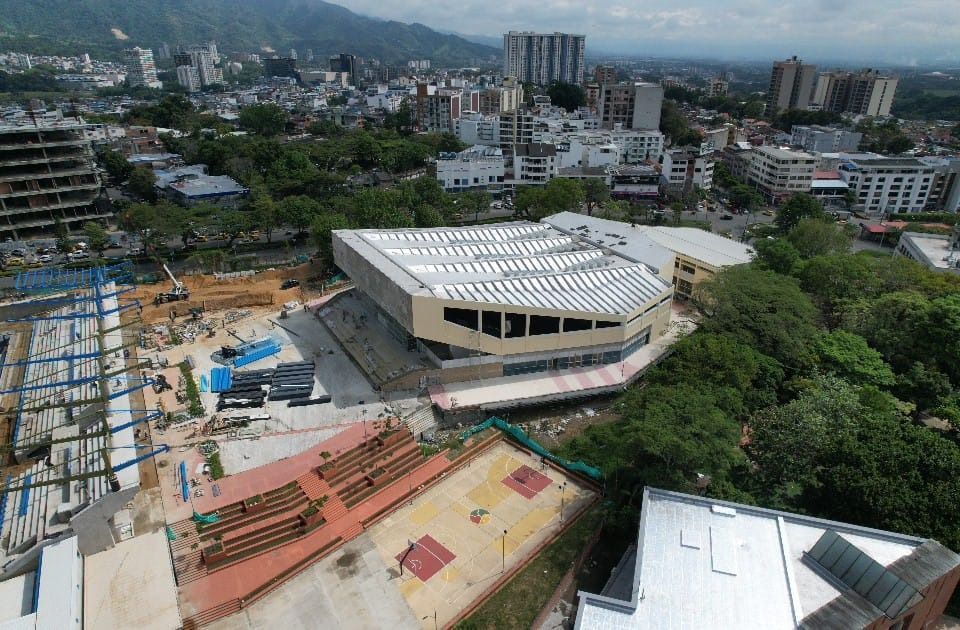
(520, 263)
(653, 244)
(50, 598)
(740, 566)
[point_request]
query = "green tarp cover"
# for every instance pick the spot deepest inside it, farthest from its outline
(517, 434)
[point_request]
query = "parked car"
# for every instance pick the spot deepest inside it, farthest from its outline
(78, 255)
(289, 284)
(768, 213)
(45, 258)
(726, 217)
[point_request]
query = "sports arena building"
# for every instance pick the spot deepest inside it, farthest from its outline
(512, 298)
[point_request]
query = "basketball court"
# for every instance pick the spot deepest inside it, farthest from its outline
(455, 540)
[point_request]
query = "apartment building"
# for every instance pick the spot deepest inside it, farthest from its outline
(47, 173)
(516, 127)
(507, 97)
(630, 105)
(716, 139)
(605, 74)
(634, 182)
(717, 87)
(866, 92)
(945, 192)
(438, 112)
(477, 168)
(778, 173)
(188, 77)
(684, 169)
(820, 139)
(889, 185)
(280, 67)
(534, 163)
(543, 58)
(141, 69)
(791, 85)
(586, 151)
(737, 157)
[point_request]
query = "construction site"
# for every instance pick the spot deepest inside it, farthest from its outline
(218, 426)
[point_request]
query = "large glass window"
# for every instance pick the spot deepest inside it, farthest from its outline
(573, 324)
(516, 325)
(466, 317)
(491, 323)
(544, 325)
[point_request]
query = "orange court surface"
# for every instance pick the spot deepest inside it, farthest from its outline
(451, 539)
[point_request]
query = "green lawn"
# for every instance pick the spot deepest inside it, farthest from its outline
(519, 602)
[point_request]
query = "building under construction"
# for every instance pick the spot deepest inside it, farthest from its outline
(72, 407)
(47, 172)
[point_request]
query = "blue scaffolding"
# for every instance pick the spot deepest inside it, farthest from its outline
(72, 296)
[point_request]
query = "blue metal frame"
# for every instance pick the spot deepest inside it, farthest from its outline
(60, 279)
(126, 425)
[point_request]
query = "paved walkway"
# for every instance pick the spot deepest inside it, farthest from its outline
(526, 389)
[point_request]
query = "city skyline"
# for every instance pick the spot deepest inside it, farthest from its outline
(885, 32)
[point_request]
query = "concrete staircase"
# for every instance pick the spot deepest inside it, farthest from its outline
(313, 486)
(352, 532)
(334, 508)
(422, 421)
(189, 567)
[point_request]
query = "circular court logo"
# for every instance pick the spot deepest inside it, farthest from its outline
(480, 516)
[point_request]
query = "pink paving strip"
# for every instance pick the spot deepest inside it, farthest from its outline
(608, 377)
(526, 481)
(562, 384)
(585, 381)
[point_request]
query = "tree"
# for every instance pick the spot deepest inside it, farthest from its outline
(298, 212)
(325, 128)
(761, 309)
(364, 149)
(474, 203)
(97, 237)
(559, 195)
(677, 210)
(744, 197)
(566, 95)
(819, 237)
(117, 166)
(776, 255)
(265, 214)
(596, 193)
(798, 206)
(62, 234)
(142, 183)
(376, 208)
(233, 222)
(267, 119)
(898, 325)
(321, 231)
(849, 357)
(146, 221)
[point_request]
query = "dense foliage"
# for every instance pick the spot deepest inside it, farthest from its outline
(803, 389)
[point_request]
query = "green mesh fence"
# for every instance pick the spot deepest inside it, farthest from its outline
(517, 434)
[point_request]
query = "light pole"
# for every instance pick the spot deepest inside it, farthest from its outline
(503, 550)
(562, 489)
(434, 615)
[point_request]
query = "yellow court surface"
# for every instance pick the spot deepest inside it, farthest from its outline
(458, 526)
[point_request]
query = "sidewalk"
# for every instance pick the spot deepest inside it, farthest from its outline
(528, 389)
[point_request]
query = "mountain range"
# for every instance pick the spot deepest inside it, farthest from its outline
(237, 25)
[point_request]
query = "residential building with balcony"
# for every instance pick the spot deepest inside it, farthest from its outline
(534, 163)
(778, 173)
(685, 169)
(820, 139)
(543, 58)
(47, 174)
(630, 105)
(889, 185)
(791, 85)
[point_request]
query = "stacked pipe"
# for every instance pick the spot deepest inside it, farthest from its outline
(292, 381)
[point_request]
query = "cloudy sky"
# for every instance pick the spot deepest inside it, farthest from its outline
(887, 31)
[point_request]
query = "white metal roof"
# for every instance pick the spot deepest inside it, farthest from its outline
(518, 263)
(651, 243)
(735, 565)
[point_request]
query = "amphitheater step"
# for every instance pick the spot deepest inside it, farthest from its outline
(334, 508)
(212, 614)
(189, 567)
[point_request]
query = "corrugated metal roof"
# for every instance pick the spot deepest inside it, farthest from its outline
(620, 290)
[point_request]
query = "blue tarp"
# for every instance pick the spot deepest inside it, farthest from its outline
(260, 353)
(204, 383)
(221, 379)
(185, 485)
(25, 495)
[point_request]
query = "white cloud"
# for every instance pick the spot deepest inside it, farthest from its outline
(887, 31)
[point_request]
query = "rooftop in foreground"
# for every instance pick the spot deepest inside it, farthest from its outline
(747, 567)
